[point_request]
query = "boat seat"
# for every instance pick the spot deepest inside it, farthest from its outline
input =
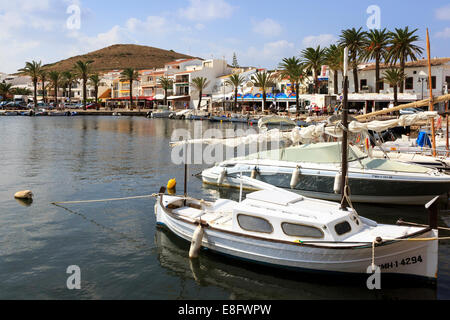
(188, 212)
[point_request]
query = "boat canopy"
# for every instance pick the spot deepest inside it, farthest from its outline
(330, 152)
(317, 153)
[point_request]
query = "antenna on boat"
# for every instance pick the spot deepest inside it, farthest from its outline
(344, 186)
(431, 105)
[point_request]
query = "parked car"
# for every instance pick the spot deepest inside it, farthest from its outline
(93, 106)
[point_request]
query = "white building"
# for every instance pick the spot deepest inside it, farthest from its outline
(183, 91)
(416, 84)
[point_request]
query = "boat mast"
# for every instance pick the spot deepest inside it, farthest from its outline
(431, 106)
(344, 202)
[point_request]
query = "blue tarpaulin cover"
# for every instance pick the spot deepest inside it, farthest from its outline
(423, 140)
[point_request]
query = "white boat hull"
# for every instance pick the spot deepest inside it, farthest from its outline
(407, 258)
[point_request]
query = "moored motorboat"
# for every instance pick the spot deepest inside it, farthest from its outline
(312, 170)
(283, 229)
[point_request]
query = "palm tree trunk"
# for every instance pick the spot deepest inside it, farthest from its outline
(56, 95)
(131, 94)
(235, 99)
(402, 67)
(43, 91)
(165, 97)
(264, 101)
(35, 94)
(377, 73)
(70, 93)
(96, 94)
(355, 79)
(297, 93)
(395, 96)
(336, 80)
(84, 93)
(200, 100)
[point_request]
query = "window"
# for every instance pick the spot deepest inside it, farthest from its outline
(297, 230)
(409, 83)
(381, 85)
(433, 82)
(343, 228)
(254, 224)
(447, 79)
(363, 83)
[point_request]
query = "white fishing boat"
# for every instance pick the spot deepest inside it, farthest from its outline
(283, 229)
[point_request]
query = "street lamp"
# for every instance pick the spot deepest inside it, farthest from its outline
(423, 77)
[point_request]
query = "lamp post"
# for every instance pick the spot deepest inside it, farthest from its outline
(423, 77)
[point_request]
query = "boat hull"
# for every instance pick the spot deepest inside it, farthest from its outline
(405, 258)
(319, 184)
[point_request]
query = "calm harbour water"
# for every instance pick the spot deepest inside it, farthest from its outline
(121, 252)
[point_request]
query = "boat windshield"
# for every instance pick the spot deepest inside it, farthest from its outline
(316, 153)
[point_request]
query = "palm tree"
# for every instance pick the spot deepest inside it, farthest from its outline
(130, 75)
(376, 49)
(334, 58)
(33, 70)
(293, 69)
(313, 60)
(235, 81)
(199, 84)
(5, 90)
(95, 82)
(70, 80)
(395, 78)
(355, 40)
(43, 77)
(403, 48)
(263, 80)
(55, 78)
(166, 84)
(83, 70)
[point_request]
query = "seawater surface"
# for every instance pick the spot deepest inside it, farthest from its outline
(121, 252)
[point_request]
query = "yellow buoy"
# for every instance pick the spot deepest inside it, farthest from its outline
(171, 184)
(27, 194)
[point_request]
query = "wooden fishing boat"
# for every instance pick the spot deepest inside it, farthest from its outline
(283, 229)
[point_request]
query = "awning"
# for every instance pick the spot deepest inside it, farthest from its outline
(187, 98)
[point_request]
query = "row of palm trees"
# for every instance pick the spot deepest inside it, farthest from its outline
(66, 79)
(6, 90)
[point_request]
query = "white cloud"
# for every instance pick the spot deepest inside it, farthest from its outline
(443, 13)
(201, 10)
(267, 28)
(445, 34)
(322, 40)
(270, 54)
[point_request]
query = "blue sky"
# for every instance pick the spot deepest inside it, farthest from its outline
(260, 32)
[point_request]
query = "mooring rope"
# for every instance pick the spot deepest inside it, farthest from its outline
(106, 200)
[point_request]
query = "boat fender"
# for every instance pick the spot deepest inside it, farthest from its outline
(222, 176)
(196, 243)
(254, 173)
(295, 178)
(338, 183)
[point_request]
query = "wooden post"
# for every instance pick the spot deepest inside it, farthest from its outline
(431, 104)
